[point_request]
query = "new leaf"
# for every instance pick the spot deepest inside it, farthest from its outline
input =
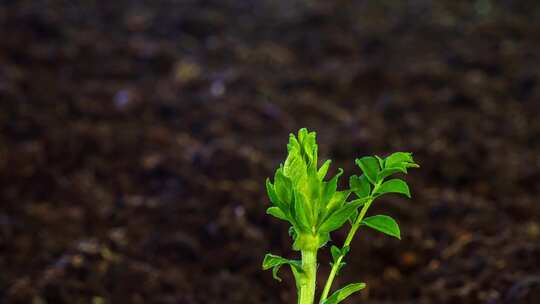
(370, 167)
(277, 213)
(275, 262)
(359, 185)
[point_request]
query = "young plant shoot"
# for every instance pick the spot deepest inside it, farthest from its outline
(302, 195)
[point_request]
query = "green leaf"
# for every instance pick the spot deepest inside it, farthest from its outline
(306, 146)
(344, 292)
(360, 185)
(321, 173)
(389, 171)
(384, 224)
(336, 202)
(295, 166)
(323, 238)
(283, 187)
(398, 158)
(292, 233)
(370, 167)
(313, 192)
(394, 186)
(397, 162)
(275, 262)
(340, 216)
(302, 133)
(330, 187)
(276, 212)
(309, 146)
(381, 161)
(271, 191)
(336, 253)
(302, 212)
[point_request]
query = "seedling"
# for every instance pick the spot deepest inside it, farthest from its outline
(301, 195)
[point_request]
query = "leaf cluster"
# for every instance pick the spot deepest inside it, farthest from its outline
(302, 195)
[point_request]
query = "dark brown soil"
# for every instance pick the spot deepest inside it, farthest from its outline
(135, 137)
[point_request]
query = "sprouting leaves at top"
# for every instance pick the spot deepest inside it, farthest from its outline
(300, 193)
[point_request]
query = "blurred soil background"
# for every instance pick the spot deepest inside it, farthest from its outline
(135, 137)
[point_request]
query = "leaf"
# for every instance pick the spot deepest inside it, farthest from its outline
(283, 187)
(337, 201)
(330, 188)
(302, 212)
(394, 186)
(296, 164)
(323, 238)
(302, 133)
(384, 224)
(271, 191)
(381, 161)
(276, 212)
(275, 262)
(397, 162)
(360, 185)
(340, 216)
(309, 146)
(336, 253)
(344, 292)
(321, 173)
(306, 145)
(398, 158)
(313, 191)
(295, 167)
(292, 233)
(294, 144)
(389, 171)
(370, 167)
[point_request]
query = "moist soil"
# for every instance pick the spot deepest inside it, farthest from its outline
(135, 138)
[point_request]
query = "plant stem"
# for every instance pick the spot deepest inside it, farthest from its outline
(350, 235)
(307, 285)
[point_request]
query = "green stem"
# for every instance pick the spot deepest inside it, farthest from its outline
(307, 284)
(350, 235)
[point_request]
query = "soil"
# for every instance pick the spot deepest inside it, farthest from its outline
(135, 137)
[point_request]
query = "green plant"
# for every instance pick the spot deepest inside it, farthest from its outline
(314, 207)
